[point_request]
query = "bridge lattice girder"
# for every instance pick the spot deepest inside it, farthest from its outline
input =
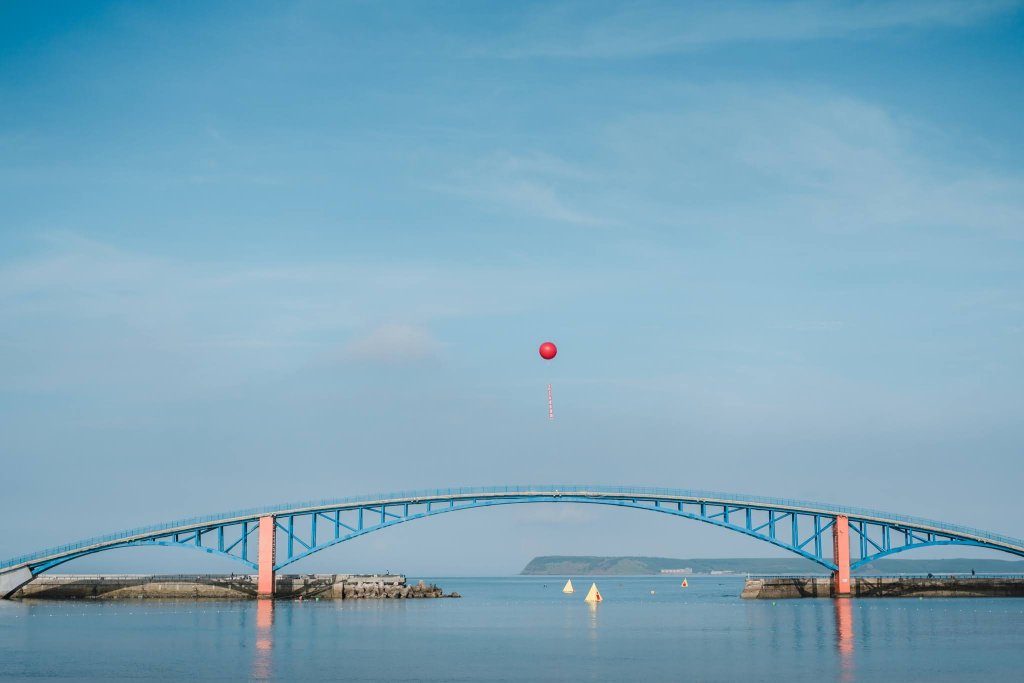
(803, 528)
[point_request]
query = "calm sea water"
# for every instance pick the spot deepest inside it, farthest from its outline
(522, 629)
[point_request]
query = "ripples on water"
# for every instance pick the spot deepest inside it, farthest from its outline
(522, 629)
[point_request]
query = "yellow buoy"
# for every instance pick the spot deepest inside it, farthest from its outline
(568, 587)
(593, 595)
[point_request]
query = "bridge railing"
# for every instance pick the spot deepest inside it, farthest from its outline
(543, 489)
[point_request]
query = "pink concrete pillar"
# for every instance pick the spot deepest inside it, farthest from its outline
(841, 556)
(267, 554)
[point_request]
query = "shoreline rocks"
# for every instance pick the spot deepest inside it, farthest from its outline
(225, 587)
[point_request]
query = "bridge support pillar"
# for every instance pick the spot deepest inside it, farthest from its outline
(267, 556)
(841, 556)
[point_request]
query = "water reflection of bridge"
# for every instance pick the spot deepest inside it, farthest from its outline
(844, 638)
(797, 628)
(262, 663)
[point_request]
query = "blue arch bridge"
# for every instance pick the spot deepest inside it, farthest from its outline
(269, 539)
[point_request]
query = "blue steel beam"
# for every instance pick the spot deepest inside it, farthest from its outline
(871, 558)
(387, 510)
(710, 519)
(46, 566)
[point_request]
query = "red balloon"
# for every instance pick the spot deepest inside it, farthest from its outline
(548, 350)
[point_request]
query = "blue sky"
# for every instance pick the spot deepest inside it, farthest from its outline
(257, 252)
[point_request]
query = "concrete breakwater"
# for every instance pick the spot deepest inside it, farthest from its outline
(784, 587)
(223, 587)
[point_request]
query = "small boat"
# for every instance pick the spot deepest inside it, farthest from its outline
(568, 587)
(683, 584)
(593, 595)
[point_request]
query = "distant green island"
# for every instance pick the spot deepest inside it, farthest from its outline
(575, 565)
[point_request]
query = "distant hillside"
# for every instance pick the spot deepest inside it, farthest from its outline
(562, 565)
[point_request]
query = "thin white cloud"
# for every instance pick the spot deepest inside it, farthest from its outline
(754, 158)
(394, 344)
(537, 198)
(533, 184)
(766, 158)
(86, 314)
(581, 30)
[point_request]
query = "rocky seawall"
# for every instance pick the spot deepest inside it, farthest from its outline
(784, 587)
(223, 587)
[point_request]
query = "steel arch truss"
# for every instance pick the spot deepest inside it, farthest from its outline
(233, 539)
(872, 540)
(301, 534)
(804, 528)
